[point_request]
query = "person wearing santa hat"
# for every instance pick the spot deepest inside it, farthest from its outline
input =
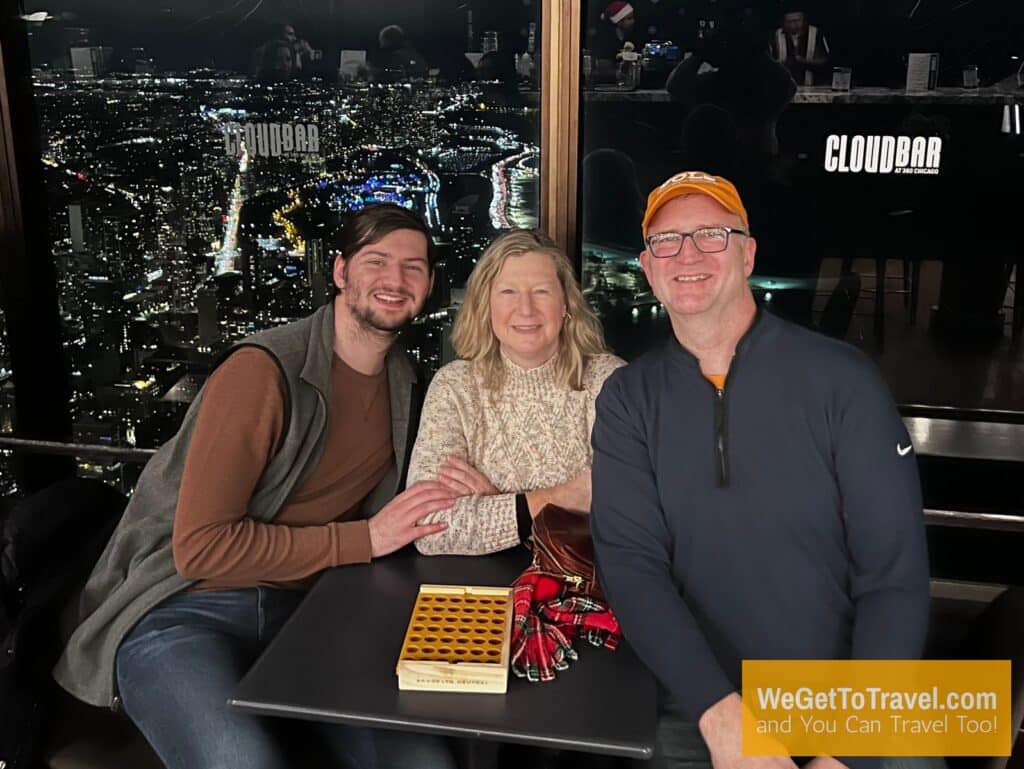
(619, 13)
(614, 29)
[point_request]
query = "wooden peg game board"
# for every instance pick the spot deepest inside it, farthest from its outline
(458, 640)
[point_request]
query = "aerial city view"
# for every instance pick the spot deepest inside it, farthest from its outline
(189, 208)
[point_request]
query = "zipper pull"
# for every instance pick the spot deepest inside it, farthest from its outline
(720, 436)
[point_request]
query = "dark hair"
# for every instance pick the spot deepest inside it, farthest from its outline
(373, 223)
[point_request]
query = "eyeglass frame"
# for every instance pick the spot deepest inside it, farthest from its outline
(684, 235)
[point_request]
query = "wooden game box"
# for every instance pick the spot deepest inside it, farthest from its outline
(458, 640)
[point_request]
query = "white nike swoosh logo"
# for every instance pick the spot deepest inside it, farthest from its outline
(903, 451)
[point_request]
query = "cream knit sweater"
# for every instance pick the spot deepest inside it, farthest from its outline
(532, 434)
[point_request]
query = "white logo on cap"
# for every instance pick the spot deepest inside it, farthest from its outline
(691, 176)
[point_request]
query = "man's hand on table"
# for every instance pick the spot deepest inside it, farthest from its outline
(396, 525)
(721, 726)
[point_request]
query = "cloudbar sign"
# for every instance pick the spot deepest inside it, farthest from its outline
(857, 154)
(271, 140)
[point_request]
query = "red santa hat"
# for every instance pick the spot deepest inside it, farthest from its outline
(617, 11)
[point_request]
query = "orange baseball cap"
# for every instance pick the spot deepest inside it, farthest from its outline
(695, 182)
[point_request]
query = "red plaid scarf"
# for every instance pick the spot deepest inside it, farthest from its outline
(547, 618)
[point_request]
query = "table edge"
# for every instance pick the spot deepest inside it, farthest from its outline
(608, 748)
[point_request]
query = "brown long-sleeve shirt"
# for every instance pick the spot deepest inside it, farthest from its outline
(239, 429)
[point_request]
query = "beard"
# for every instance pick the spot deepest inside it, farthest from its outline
(369, 319)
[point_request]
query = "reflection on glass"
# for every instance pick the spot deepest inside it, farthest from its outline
(870, 200)
(199, 158)
(7, 483)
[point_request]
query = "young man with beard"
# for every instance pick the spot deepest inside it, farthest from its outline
(755, 494)
(288, 462)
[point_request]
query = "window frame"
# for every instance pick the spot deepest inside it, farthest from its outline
(561, 26)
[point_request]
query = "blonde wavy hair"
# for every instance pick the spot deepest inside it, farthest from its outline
(473, 336)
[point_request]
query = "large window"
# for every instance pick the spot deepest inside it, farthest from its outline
(876, 146)
(199, 158)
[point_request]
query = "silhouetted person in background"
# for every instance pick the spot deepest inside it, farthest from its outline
(801, 47)
(613, 204)
(284, 56)
(397, 59)
(734, 93)
(731, 69)
(710, 140)
(615, 27)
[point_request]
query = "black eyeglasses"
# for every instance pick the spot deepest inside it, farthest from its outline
(708, 240)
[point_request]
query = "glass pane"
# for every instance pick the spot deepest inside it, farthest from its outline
(7, 484)
(870, 174)
(199, 158)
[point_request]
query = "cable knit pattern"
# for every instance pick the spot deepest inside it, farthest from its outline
(533, 434)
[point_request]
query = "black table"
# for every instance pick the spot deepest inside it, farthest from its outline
(335, 661)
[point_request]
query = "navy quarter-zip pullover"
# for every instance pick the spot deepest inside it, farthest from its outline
(777, 518)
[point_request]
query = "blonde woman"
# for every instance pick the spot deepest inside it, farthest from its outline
(507, 427)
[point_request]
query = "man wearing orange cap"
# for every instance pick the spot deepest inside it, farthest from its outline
(754, 490)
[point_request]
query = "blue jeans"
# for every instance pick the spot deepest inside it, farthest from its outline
(183, 660)
(678, 745)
